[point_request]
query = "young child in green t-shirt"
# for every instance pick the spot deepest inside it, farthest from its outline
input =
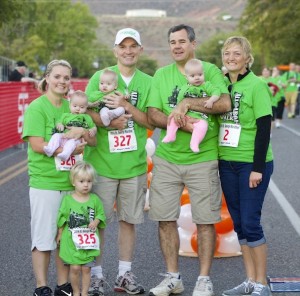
(80, 216)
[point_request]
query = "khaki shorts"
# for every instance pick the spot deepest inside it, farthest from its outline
(291, 97)
(129, 194)
(202, 182)
(44, 206)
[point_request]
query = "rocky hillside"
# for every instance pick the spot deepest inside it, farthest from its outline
(206, 16)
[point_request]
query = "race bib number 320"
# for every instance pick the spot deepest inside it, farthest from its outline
(85, 238)
(122, 140)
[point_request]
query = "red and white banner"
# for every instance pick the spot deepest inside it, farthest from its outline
(14, 99)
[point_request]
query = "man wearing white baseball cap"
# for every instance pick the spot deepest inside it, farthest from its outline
(128, 33)
(122, 165)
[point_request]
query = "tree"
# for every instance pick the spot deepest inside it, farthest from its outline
(273, 30)
(9, 10)
(52, 30)
(210, 51)
(147, 65)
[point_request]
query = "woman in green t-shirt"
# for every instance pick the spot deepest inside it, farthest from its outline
(48, 176)
(246, 161)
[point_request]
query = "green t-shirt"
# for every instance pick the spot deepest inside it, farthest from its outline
(274, 99)
(166, 86)
(291, 86)
(122, 165)
(251, 99)
(280, 94)
(74, 214)
(206, 89)
(78, 120)
(40, 121)
(98, 95)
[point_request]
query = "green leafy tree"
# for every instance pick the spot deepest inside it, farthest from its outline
(147, 65)
(273, 29)
(210, 51)
(9, 10)
(53, 30)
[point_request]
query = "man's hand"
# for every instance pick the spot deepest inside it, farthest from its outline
(115, 100)
(120, 122)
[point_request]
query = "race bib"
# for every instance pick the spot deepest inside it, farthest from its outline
(229, 134)
(122, 141)
(85, 238)
(66, 165)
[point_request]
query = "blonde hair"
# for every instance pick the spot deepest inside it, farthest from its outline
(42, 87)
(82, 169)
(108, 71)
(79, 93)
(192, 62)
(245, 45)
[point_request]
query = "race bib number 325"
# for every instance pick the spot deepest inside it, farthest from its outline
(85, 238)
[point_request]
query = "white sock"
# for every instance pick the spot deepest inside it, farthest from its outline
(175, 275)
(97, 271)
(123, 267)
(204, 277)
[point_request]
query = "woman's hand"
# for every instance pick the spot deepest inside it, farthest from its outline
(79, 148)
(74, 132)
(255, 179)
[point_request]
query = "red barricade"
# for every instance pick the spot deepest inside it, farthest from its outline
(14, 99)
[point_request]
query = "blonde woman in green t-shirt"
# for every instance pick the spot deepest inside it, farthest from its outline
(48, 184)
(246, 161)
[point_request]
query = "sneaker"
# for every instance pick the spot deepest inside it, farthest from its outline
(245, 288)
(261, 290)
(169, 285)
(204, 287)
(277, 124)
(96, 286)
(63, 290)
(127, 283)
(42, 291)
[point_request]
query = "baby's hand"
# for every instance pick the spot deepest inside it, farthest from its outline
(94, 104)
(92, 132)
(208, 104)
(60, 127)
(93, 225)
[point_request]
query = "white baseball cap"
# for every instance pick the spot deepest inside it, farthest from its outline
(128, 33)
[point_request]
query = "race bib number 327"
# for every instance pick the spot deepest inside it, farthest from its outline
(122, 140)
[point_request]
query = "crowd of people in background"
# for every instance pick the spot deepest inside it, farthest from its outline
(285, 89)
(114, 171)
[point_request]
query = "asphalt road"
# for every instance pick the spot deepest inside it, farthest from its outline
(280, 220)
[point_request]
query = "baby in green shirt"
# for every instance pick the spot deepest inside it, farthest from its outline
(108, 83)
(77, 117)
(196, 87)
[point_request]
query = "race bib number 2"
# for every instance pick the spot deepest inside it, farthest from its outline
(122, 140)
(229, 134)
(85, 238)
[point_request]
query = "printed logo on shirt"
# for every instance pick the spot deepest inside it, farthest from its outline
(134, 98)
(172, 99)
(234, 114)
